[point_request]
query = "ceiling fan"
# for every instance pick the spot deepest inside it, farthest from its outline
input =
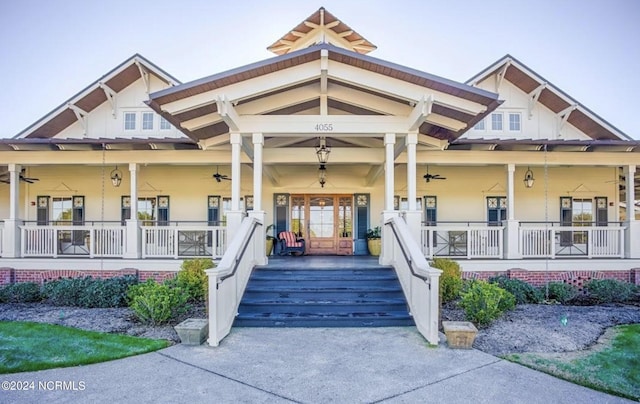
(428, 177)
(4, 177)
(219, 177)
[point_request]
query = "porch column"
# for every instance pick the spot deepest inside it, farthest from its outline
(388, 212)
(11, 239)
(134, 242)
(413, 216)
(511, 248)
(235, 215)
(632, 234)
(257, 212)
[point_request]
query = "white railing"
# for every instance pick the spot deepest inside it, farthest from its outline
(183, 241)
(539, 241)
(472, 240)
(420, 282)
(228, 280)
(56, 241)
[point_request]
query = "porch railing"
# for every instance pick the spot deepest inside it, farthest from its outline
(551, 240)
(462, 240)
(101, 239)
(183, 241)
(1, 237)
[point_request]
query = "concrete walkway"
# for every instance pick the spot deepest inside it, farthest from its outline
(278, 365)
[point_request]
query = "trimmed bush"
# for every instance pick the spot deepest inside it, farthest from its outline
(66, 291)
(484, 302)
(27, 292)
(154, 303)
(560, 292)
(521, 290)
(450, 279)
(193, 280)
(89, 292)
(609, 290)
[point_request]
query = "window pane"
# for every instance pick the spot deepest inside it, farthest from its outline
(164, 124)
(514, 122)
(61, 209)
(147, 121)
(129, 121)
(479, 125)
(496, 121)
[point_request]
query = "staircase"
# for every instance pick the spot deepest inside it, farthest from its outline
(329, 292)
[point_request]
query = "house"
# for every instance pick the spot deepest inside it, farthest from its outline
(505, 172)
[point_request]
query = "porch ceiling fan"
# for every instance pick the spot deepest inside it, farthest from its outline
(219, 177)
(4, 177)
(428, 177)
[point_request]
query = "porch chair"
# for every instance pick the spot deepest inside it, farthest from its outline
(290, 243)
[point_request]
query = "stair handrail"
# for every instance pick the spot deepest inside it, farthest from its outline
(420, 282)
(228, 280)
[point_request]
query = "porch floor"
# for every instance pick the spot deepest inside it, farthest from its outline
(323, 262)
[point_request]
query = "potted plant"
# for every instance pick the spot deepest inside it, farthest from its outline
(270, 240)
(374, 241)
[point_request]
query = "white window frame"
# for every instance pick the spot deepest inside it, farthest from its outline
(164, 124)
(135, 118)
(145, 121)
(519, 115)
(493, 128)
(480, 126)
(61, 205)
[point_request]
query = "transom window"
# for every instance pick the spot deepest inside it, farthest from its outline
(129, 121)
(496, 121)
(147, 121)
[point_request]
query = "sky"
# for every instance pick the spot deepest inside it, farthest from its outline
(50, 50)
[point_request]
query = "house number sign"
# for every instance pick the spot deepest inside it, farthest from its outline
(324, 127)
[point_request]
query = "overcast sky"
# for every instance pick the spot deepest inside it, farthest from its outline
(50, 50)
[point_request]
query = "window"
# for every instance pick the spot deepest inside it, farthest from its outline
(129, 121)
(164, 124)
(479, 125)
(147, 211)
(579, 213)
(226, 206)
(496, 210)
(514, 122)
(61, 210)
(404, 204)
(147, 121)
(496, 121)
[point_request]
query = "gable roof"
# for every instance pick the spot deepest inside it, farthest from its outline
(321, 27)
(552, 97)
(94, 95)
(487, 99)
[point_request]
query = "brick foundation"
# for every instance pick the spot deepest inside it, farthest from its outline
(6, 276)
(10, 275)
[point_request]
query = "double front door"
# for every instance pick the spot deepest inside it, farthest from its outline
(325, 221)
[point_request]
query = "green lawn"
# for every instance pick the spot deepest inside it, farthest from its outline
(614, 369)
(26, 346)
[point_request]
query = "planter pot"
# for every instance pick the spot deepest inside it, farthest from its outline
(269, 244)
(193, 331)
(460, 334)
(375, 246)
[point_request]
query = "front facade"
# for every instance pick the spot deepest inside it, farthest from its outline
(505, 173)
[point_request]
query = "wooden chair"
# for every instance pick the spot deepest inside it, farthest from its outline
(290, 243)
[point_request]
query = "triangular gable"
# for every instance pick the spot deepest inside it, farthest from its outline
(100, 91)
(542, 91)
(321, 27)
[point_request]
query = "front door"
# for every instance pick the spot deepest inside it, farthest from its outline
(328, 229)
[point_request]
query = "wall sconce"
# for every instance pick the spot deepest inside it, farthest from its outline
(528, 178)
(322, 175)
(116, 177)
(322, 151)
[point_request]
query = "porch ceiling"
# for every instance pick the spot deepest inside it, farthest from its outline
(39, 144)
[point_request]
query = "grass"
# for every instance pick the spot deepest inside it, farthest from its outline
(27, 346)
(613, 369)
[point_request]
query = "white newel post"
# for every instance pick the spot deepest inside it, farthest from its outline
(511, 244)
(386, 254)
(632, 245)
(257, 212)
(134, 242)
(413, 216)
(235, 215)
(11, 239)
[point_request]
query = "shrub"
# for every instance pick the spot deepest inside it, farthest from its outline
(609, 290)
(193, 280)
(522, 291)
(65, 291)
(561, 292)
(26, 292)
(450, 279)
(154, 303)
(484, 302)
(89, 292)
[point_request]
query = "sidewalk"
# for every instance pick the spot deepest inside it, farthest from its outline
(309, 365)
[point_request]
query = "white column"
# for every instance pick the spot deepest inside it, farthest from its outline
(512, 226)
(11, 237)
(134, 242)
(386, 254)
(235, 215)
(413, 216)
(632, 234)
(257, 212)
